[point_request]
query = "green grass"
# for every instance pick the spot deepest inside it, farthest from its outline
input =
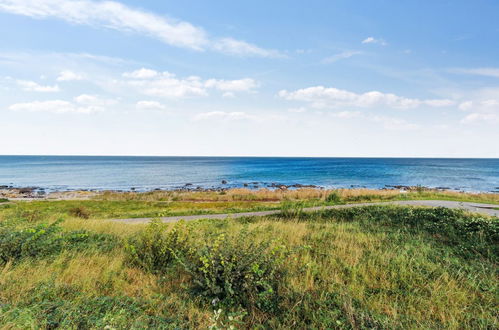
(371, 267)
(149, 205)
(104, 209)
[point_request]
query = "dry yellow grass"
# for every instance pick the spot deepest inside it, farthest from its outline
(301, 194)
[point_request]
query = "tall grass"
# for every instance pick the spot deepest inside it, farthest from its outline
(375, 267)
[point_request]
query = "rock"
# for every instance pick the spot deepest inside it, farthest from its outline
(188, 184)
(245, 184)
(26, 190)
(224, 181)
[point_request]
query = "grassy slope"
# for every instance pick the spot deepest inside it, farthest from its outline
(346, 269)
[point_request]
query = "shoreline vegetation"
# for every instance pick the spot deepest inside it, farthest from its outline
(62, 265)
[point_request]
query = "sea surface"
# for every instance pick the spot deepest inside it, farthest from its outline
(148, 173)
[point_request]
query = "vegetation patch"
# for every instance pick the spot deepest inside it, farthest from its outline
(42, 240)
(470, 234)
(157, 247)
(238, 272)
(380, 267)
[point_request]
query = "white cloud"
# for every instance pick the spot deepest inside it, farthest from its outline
(480, 111)
(166, 84)
(117, 16)
(341, 56)
(372, 40)
(322, 97)
(68, 75)
(239, 85)
(386, 122)
(81, 104)
(297, 110)
(149, 105)
(347, 114)
(481, 117)
(93, 100)
(394, 123)
(54, 106)
(488, 72)
(226, 116)
(32, 86)
(141, 74)
(242, 48)
(480, 106)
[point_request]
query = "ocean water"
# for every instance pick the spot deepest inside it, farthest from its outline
(148, 173)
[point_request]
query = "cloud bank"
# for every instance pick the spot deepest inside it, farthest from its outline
(322, 97)
(117, 16)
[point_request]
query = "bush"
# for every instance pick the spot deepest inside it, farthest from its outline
(333, 197)
(156, 248)
(80, 212)
(47, 239)
(4, 200)
(238, 272)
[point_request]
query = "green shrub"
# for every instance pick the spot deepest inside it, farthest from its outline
(80, 212)
(40, 240)
(4, 200)
(334, 198)
(156, 248)
(238, 272)
(47, 239)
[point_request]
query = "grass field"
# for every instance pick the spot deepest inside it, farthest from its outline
(170, 203)
(372, 267)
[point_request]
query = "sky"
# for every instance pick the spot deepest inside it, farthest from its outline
(331, 78)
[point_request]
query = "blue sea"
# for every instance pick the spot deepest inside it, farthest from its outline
(149, 173)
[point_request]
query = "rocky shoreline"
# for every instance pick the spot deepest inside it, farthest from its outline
(30, 193)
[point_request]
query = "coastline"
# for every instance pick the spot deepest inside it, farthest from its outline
(40, 193)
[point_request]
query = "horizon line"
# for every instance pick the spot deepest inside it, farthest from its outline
(246, 156)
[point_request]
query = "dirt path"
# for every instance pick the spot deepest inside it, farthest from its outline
(488, 209)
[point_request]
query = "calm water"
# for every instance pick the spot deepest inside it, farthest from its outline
(147, 173)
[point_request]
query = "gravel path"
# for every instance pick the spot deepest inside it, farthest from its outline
(488, 209)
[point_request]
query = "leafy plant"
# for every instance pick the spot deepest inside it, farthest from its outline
(46, 239)
(156, 248)
(238, 272)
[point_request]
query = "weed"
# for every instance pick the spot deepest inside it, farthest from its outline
(157, 247)
(238, 271)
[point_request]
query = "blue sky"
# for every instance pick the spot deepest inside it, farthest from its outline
(254, 78)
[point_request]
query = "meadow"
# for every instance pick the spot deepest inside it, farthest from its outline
(63, 266)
